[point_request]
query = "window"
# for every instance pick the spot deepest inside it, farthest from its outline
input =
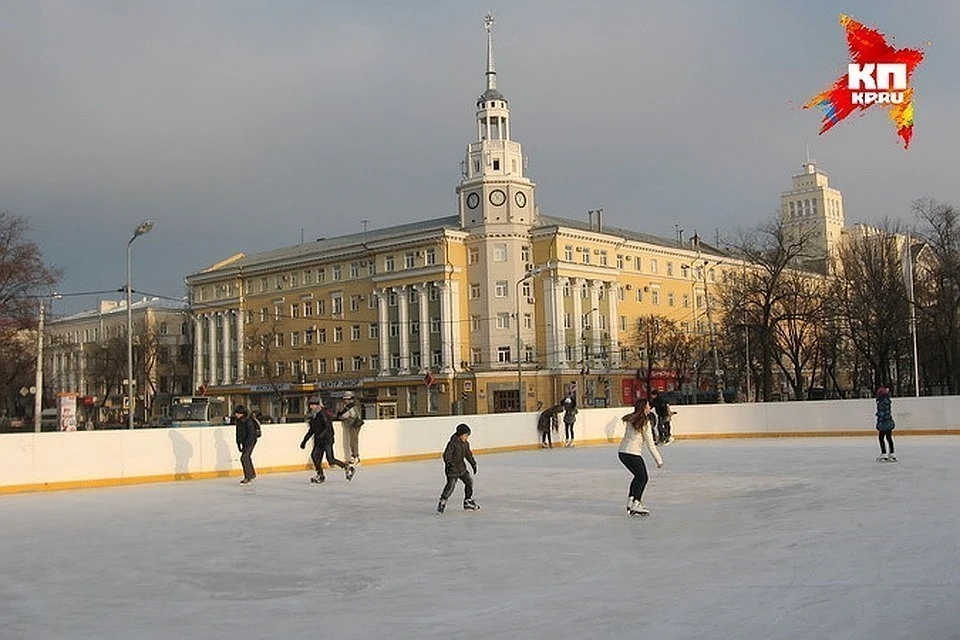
(474, 291)
(686, 300)
(392, 298)
(338, 364)
(409, 260)
(321, 307)
(669, 268)
(337, 272)
(322, 365)
(278, 339)
(434, 325)
(476, 356)
(308, 336)
(567, 321)
(620, 261)
(499, 253)
(526, 289)
(638, 263)
(568, 253)
(354, 303)
(527, 321)
(503, 321)
(414, 328)
(321, 336)
(372, 268)
(503, 354)
(355, 332)
(374, 362)
(473, 256)
(395, 361)
(496, 164)
(338, 334)
(308, 276)
(356, 363)
(263, 285)
(585, 256)
(655, 297)
(653, 265)
(525, 254)
(336, 304)
(307, 308)
(603, 258)
(670, 301)
(321, 275)
(415, 360)
(394, 329)
(295, 310)
(500, 289)
(373, 331)
(435, 359)
(295, 339)
(474, 323)
(388, 263)
(430, 256)
(354, 270)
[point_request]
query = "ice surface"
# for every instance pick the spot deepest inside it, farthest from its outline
(793, 538)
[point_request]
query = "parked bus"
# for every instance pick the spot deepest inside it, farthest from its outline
(198, 411)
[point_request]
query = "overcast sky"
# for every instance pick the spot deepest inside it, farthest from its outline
(242, 126)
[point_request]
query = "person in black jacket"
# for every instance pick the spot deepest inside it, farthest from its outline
(247, 434)
(455, 457)
(321, 430)
(661, 432)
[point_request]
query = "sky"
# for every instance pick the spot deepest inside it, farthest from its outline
(247, 126)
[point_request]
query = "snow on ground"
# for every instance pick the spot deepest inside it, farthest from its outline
(793, 538)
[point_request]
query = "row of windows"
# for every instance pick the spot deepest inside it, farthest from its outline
(339, 364)
(500, 254)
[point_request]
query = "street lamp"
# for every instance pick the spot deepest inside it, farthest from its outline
(529, 274)
(143, 228)
(717, 371)
(584, 352)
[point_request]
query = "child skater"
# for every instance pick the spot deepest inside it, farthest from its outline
(639, 430)
(455, 457)
(885, 425)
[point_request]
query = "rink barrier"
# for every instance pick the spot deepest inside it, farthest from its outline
(86, 459)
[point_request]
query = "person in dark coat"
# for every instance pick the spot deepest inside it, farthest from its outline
(569, 419)
(885, 425)
(455, 457)
(547, 423)
(321, 430)
(661, 431)
(247, 434)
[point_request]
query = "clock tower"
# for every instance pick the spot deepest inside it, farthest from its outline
(497, 209)
(493, 189)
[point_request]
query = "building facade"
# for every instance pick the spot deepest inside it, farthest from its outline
(497, 308)
(86, 354)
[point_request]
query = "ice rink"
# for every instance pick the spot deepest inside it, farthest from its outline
(791, 538)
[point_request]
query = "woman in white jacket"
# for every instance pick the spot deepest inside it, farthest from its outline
(639, 430)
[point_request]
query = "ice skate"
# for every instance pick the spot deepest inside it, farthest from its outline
(441, 506)
(470, 505)
(668, 441)
(892, 457)
(639, 510)
(882, 457)
(318, 479)
(349, 472)
(246, 481)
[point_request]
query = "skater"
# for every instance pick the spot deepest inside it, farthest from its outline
(569, 419)
(638, 430)
(455, 457)
(321, 430)
(885, 425)
(247, 433)
(546, 424)
(350, 417)
(662, 428)
(666, 434)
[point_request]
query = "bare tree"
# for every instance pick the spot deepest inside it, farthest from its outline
(874, 299)
(938, 293)
(797, 330)
(24, 277)
(756, 297)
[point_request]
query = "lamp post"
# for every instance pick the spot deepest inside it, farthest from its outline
(911, 299)
(528, 275)
(717, 371)
(143, 228)
(584, 361)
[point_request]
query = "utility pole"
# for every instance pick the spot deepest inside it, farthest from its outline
(38, 380)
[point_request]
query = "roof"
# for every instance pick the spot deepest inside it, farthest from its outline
(110, 307)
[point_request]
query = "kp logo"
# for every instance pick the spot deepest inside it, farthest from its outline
(878, 74)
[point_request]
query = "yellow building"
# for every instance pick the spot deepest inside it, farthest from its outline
(497, 308)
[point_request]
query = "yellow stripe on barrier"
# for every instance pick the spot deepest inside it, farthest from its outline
(207, 475)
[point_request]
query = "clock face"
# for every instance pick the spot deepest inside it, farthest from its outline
(520, 198)
(497, 197)
(473, 200)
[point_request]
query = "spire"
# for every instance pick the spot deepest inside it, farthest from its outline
(491, 71)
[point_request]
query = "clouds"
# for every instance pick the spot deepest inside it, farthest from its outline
(237, 126)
